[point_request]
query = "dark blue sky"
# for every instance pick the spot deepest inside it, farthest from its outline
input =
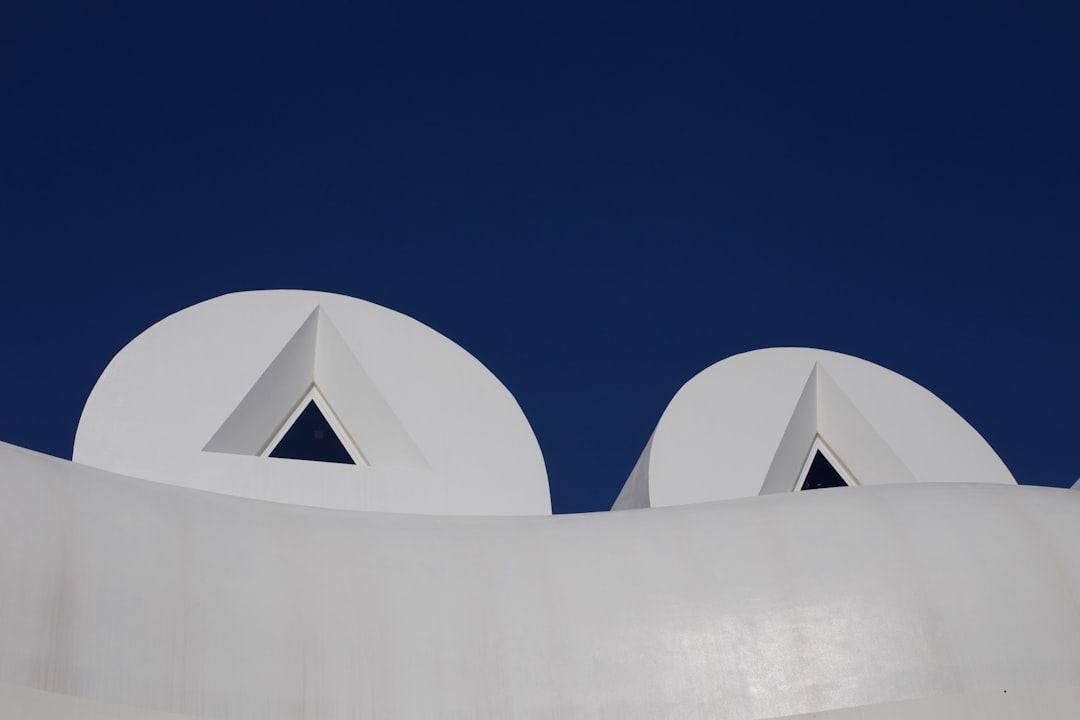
(596, 201)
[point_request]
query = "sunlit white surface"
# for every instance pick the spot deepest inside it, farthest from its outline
(194, 400)
(163, 597)
(744, 427)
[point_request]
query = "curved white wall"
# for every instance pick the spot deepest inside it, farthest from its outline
(167, 598)
(193, 400)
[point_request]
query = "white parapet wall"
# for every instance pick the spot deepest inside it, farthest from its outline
(147, 595)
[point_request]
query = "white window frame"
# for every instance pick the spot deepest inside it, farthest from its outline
(819, 445)
(314, 395)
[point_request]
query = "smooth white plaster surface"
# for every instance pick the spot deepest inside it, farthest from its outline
(744, 426)
(193, 400)
(166, 598)
(923, 597)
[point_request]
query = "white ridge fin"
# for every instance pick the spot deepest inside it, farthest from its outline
(318, 359)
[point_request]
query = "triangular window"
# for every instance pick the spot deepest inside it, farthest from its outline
(311, 438)
(822, 469)
(317, 358)
(822, 474)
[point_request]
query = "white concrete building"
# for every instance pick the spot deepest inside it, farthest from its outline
(292, 504)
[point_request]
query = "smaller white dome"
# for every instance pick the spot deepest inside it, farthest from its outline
(753, 423)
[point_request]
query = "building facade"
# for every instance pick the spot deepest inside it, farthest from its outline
(289, 504)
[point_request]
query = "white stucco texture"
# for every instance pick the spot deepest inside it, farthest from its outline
(745, 426)
(196, 400)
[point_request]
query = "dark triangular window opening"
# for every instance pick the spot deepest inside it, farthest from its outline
(822, 474)
(312, 438)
